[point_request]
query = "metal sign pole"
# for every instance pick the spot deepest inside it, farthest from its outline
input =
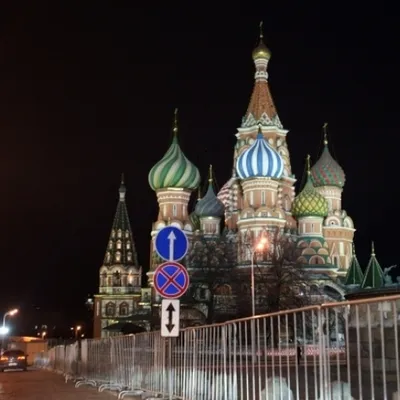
(170, 388)
(171, 281)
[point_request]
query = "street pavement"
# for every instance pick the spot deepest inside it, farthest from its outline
(43, 385)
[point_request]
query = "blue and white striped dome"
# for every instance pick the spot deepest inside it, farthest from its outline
(259, 160)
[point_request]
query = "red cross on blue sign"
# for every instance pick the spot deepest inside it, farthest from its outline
(171, 280)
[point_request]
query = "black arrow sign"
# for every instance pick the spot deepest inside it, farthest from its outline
(170, 310)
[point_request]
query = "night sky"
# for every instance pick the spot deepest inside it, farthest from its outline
(88, 91)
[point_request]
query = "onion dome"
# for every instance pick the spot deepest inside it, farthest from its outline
(210, 205)
(174, 170)
(259, 160)
(326, 171)
(309, 203)
(261, 51)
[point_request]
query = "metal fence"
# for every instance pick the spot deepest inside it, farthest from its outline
(346, 350)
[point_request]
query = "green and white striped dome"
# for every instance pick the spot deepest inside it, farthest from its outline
(174, 170)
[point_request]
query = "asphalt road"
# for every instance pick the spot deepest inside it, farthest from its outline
(43, 385)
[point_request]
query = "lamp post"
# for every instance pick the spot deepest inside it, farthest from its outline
(258, 247)
(9, 313)
(4, 329)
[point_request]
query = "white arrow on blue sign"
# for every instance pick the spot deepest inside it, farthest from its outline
(171, 243)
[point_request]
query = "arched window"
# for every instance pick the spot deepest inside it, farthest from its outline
(117, 278)
(129, 256)
(108, 257)
(110, 244)
(123, 309)
(119, 244)
(117, 256)
(127, 234)
(128, 245)
(113, 233)
(110, 309)
(119, 233)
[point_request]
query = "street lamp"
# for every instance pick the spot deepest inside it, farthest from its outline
(258, 247)
(76, 330)
(3, 329)
(9, 313)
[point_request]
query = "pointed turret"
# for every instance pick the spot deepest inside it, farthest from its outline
(121, 248)
(373, 278)
(261, 108)
(120, 274)
(354, 274)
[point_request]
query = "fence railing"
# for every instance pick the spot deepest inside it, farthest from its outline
(346, 350)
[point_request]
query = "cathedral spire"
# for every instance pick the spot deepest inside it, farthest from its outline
(325, 129)
(373, 277)
(354, 274)
(261, 107)
(121, 247)
(175, 126)
(122, 189)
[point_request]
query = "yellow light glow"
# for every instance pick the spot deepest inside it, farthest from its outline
(260, 246)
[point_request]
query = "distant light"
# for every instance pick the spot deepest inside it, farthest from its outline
(4, 330)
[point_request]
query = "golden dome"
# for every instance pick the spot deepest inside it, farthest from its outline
(261, 51)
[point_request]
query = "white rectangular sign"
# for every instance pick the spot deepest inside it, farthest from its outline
(170, 313)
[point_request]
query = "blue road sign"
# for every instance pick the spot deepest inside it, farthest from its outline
(171, 280)
(171, 243)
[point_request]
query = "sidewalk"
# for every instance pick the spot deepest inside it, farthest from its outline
(43, 385)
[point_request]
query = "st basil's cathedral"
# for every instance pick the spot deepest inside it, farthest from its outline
(256, 202)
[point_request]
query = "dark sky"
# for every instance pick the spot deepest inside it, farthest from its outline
(88, 90)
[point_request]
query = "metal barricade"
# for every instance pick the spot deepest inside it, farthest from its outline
(347, 350)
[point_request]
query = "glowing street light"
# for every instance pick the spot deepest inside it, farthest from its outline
(3, 329)
(76, 330)
(8, 313)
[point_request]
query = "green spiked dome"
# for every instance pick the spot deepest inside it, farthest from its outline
(354, 274)
(373, 277)
(309, 203)
(174, 170)
(326, 171)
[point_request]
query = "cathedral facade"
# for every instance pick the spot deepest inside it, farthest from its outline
(258, 203)
(244, 224)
